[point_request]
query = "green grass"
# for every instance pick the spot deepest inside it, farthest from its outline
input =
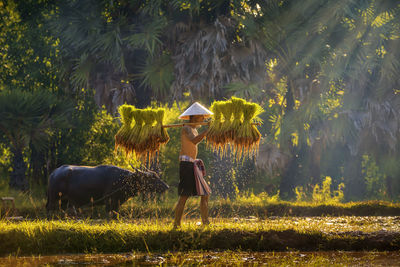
(281, 234)
(32, 205)
(251, 223)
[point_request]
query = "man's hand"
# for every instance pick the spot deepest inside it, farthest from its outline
(187, 130)
(195, 139)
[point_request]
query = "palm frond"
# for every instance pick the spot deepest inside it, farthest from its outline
(81, 71)
(158, 73)
(30, 117)
(246, 91)
(148, 36)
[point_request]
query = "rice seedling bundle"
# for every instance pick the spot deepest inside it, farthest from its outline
(146, 131)
(226, 126)
(232, 126)
(236, 127)
(145, 136)
(122, 136)
(133, 140)
(237, 111)
(214, 130)
(144, 144)
(248, 137)
(159, 129)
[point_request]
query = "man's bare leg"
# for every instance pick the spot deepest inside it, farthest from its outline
(180, 206)
(204, 210)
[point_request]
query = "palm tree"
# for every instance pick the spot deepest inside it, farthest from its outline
(320, 44)
(367, 66)
(218, 51)
(295, 34)
(29, 118)
(156, 49)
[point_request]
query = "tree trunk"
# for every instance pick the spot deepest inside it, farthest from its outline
(18, 178)
(354, 179)
(315, 171)
(288, 179)
(38, 165)
(389, 189)
(52, 163)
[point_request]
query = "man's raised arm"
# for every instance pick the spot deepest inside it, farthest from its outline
(195, 139)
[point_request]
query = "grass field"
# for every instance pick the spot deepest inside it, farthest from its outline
(248, 223)
(32, 206)
(274, 234)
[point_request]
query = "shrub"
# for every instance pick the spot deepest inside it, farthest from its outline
(324, 194)
(374, 178)
(321, 194)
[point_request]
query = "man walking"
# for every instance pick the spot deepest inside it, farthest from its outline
(191, 170)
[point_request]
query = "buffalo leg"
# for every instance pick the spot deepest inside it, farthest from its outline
(112, 207)
(51, 204)
(70, 209)
(54, 203)
(109, 207)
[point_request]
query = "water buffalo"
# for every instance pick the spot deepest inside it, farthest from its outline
(81, 186)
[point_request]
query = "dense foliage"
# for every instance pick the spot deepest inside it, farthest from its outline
(325, 72)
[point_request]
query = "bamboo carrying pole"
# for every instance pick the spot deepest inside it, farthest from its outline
(231, 128)
(196, 123)
(183, 124)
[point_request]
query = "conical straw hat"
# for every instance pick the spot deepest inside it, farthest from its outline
(195, 109)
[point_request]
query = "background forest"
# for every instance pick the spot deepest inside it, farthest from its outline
(326, 72)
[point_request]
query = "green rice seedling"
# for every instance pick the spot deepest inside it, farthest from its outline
(248, 137)
(237, 110)
(148, 119)
(213, 137)
(145, 143)
(136, 130)
(147, 135)
(160, 118)
(226, 126)
(255, 133)
(153, 137)
(157, 127)
(122, 136)
(159, 131)
(233, 125)
(245, 131)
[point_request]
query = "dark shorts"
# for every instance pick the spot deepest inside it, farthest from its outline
(187, 183)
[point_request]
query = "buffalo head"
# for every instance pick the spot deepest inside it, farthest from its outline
(148, 182)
